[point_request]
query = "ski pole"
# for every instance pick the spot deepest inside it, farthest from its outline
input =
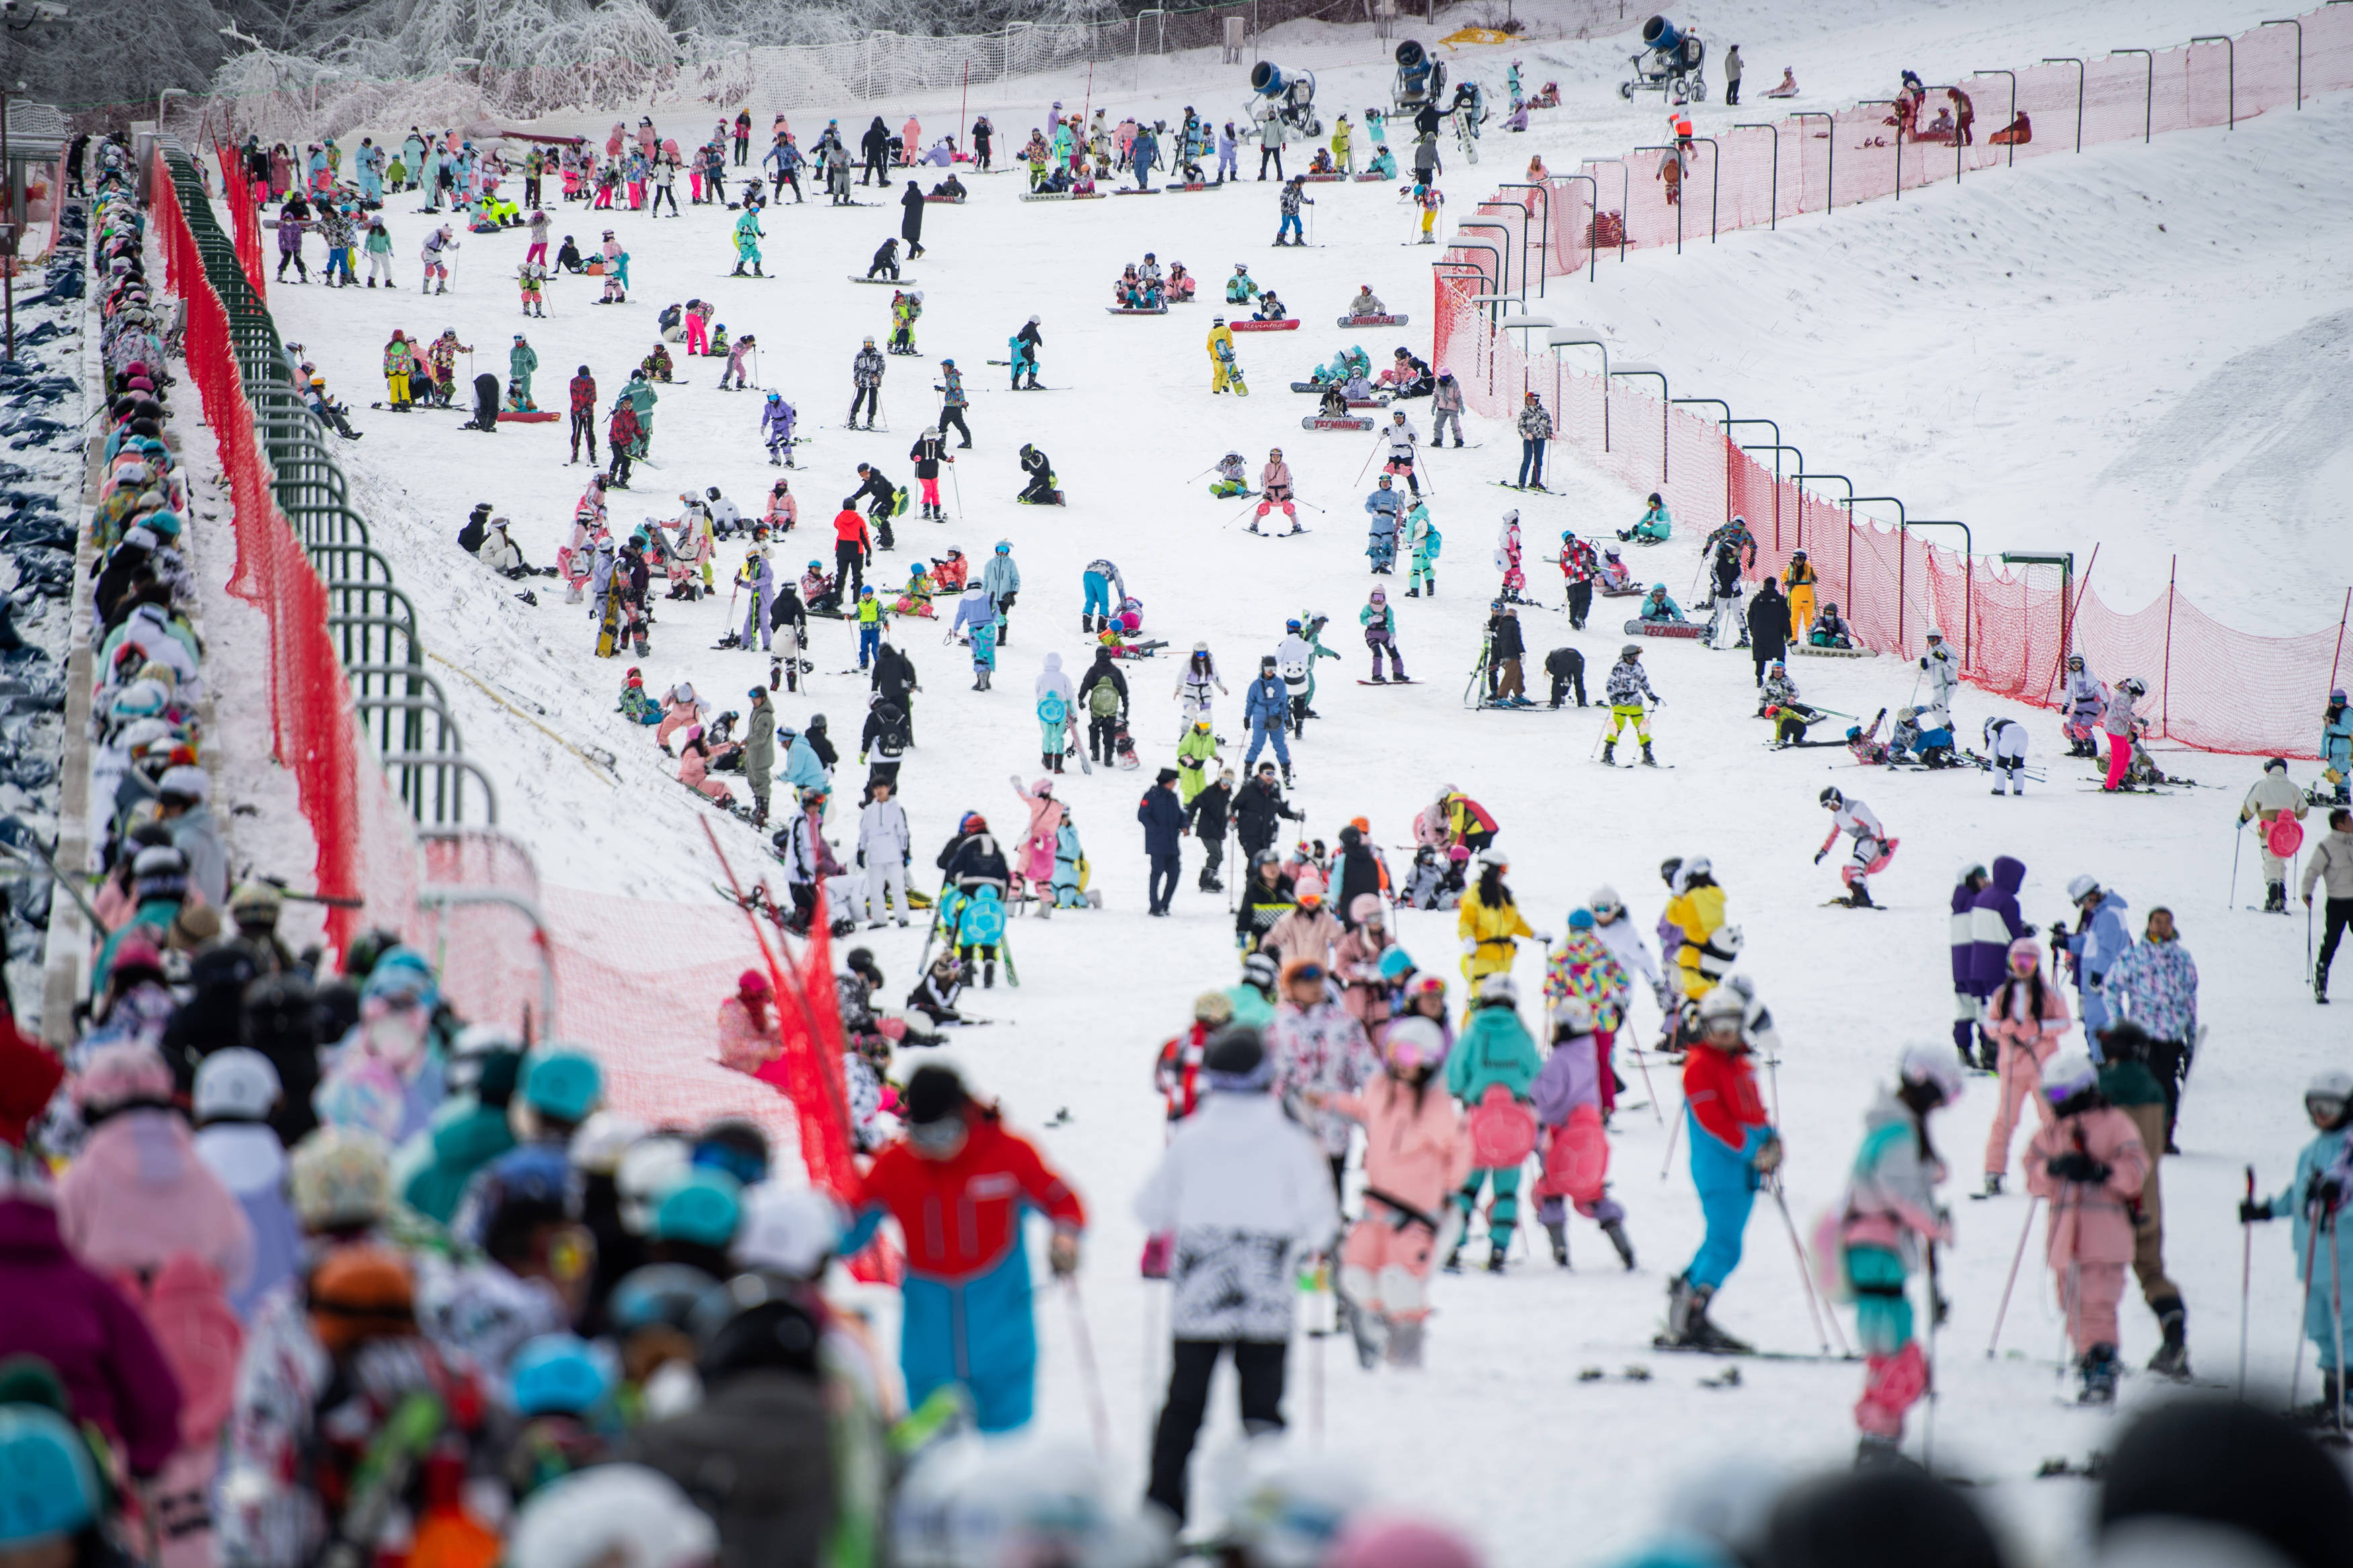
(1673, 1137)
(2311, 1240)
(1936, 1316)
(2246, 1280)
(2337, 1314)
(1643, 1062)
(1805, 1275)
(1086, 1348)
(2015, 1258)
(2238, 839)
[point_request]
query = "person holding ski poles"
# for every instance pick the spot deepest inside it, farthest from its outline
(2314, 1198)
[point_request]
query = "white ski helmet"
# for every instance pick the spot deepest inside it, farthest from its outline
(1573, 1014)
(1721, 1001)
(627, 1516)
(789, 1230)
(1698, 866)
(1413, 1041)
(2330, 1089)
(1934, 634)
(1498, 989)
(2133, 684)
(1292, 1506)
(2081, 888)
(1930, 1066)
(599, 1142)
(2069, 1075)
(1490, 855)
(647, 1172)
(1604, 899)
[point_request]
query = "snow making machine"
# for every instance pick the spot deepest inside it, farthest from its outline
(1669, 63)
(1283, 104)
(1421, 79)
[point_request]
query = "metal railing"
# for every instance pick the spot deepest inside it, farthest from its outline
(374, 623)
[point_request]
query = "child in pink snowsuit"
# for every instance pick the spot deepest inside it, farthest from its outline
(1417, 1153)
(698, 326)
(1036, 857)
(1575, 1149)
(2024, 1020)
(2089, 1162)
(680, 707)
(694, 769)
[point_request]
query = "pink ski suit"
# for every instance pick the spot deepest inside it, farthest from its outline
(2091, 1224)
(1045, 821)
(2024, 1039)
(1416, 1153)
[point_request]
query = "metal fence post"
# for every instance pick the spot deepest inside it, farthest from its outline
(1773, 212)
(2164, 681)
(1592, 255)
(2072, 60)
(1678, 152)
(1997, 71)
(1830, 138)
(1890, 103)
(2231, 45)
(1625, 195)
(2148, 97)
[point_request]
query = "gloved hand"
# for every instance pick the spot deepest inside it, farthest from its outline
(2253, 1210)
(1818, 856)
(2324, 1191)
(2077, 1166)
(1543, 940)
(1063, 1254)
(1769, 1158)
(1470, 946)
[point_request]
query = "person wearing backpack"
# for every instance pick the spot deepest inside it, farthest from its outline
(1103, 692)
(236, 1090)
(1052, 691)
(1492, 1069)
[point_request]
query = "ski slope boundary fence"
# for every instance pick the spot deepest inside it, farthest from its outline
(2211, 687)
(402, 819)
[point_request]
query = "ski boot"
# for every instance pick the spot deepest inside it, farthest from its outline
(1689, 1325)
(1615, 1229)
(1649, 761)
(2099, 1372)
(2276, 900)
(2320, 984)
(1499, 1254)
(1992, 1185)
(1858, 897)
(1405, 1343)
(988, 975)
(2172, 1357)
(1872, 1452)
(1370, 1332)
(1608, 753)
(1559, 1231)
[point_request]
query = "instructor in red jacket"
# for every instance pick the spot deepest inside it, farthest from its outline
(958, 1185)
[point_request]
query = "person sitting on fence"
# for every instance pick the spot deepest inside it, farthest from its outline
(1829, 630)
(1654, 526)
(1657, 607)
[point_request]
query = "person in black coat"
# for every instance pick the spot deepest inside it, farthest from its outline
(876, 145)
(1566, 668)
(911, 220)
(1768, 626)
(1102, 731)
(486, 402)
(1360, 872)
(470, 538)
(972, 858)
(1259, 811)
(886, 740)
(1207, 819)
(1164, 824)
(1267, 896)
(1505, 649)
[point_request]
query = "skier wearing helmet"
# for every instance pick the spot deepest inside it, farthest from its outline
(2313, 1198)
(1872, 848)
(1890, 1208)
(1625, 689)
(1489, 921)
(2123, 727)
(1493, 1068)
(1734, 1151)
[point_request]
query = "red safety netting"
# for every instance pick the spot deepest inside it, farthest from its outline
(637, 983)
(2211, 687)
(244, 219)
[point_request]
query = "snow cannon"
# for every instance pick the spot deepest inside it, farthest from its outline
(1669, 63)
(1421, 78)
(1285, 103)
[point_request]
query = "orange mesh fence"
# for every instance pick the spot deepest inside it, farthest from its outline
(2211, 687)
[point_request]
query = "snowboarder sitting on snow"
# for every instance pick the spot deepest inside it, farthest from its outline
(1614, 577)
(818, 595)
(1271, 309)
(1658, 606)
(1335, 404)
(1781, 704)
(1241, 288)
(934, 995)
(1830, 631)
(1367, 302)
(637, 704)
(1652, 527)
(657, 364)
(1233, 475)
(1925, 733)
(1182, 286)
